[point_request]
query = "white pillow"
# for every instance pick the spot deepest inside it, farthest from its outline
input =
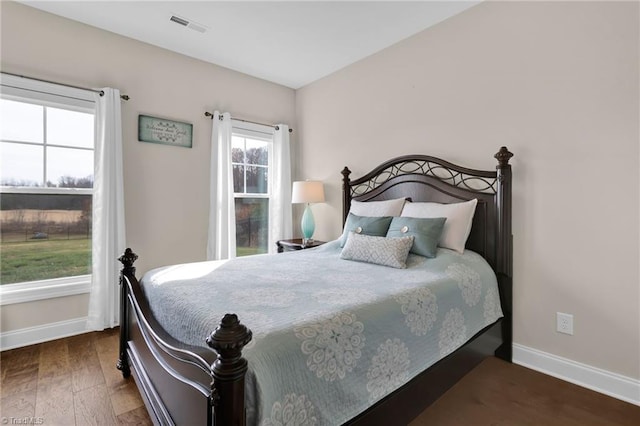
(457, 226)
(377, 208)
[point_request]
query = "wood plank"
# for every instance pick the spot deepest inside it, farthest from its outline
(55, 400)
(125, 396)
(54, 359)
(123, 392)
(18, 405)
(93, 407)
(139, 417)
(86, 371)
(16, 361)
(20, 382)
(107, 350)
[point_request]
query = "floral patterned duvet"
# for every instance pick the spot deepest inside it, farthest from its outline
(331, 336)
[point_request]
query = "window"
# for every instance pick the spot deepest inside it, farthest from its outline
(250, 157)
(46, 187)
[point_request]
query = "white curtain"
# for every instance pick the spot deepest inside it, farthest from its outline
(222, 218)
(108, 237)
(280, 216)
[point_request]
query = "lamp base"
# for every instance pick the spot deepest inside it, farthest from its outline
(308, 225)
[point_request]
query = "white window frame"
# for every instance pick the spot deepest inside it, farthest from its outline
(259, 132)
(53, 95)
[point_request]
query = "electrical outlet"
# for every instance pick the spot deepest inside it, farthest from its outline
(564, 323)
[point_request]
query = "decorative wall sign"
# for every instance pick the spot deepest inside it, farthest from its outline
(163, 131)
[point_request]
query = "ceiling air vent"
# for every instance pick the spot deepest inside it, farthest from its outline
(189, 24)
(180, 21)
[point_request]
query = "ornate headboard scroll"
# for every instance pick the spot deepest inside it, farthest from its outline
(423, 178)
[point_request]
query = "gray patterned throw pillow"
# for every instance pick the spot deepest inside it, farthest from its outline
(379, 250)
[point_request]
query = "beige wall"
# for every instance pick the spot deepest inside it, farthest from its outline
(558, 84)
(166, 189)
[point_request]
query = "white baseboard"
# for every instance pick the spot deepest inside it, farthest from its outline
(606, 382)
(42, 333)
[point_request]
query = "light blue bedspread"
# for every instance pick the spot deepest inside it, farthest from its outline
(330, 336)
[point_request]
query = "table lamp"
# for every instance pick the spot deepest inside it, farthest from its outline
(307, 192)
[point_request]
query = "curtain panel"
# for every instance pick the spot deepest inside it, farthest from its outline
(108, 240)
(222, 222)
(280, 216)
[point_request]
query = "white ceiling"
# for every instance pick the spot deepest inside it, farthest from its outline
(292, 43)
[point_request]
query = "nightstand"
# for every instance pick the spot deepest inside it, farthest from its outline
(296, 244)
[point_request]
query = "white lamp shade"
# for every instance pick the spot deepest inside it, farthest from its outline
(307, 191)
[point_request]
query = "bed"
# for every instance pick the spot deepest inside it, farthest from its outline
(185, 381)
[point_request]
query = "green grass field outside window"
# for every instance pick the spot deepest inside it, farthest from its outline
(44, 259)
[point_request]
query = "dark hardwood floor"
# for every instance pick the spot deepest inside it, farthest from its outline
(71, 381)
(74, 381)
(499, 393)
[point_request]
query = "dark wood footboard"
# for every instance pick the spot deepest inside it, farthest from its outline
(181, 384)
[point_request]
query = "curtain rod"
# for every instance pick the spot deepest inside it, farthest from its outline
(210, 115)
(100, 92)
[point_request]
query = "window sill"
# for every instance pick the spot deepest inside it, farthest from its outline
(45, 289)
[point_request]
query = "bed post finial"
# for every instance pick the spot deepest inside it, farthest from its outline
(503, 156)
(128, 271)
(127, 259)
(346, 193)
(229, 370)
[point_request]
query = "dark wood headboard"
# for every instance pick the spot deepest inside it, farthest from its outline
(425, 178)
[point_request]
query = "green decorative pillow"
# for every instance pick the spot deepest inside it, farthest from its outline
(426, 233)
(379, 250)
(376, 226)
